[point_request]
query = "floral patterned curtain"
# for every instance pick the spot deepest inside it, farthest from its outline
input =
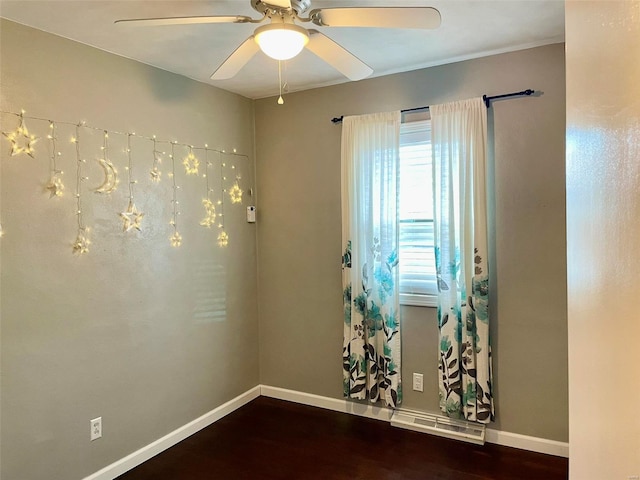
(370, 173)
(459, 145)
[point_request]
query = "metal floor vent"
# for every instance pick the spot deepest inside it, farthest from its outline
(438, 425)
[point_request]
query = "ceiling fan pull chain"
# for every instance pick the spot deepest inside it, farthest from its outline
(280, 99)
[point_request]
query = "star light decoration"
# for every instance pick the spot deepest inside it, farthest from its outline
(21, 140)
(55, 185)
(223, 239)
(175, 239)
(191, 163)
(131, 217)
(82, 242)
(236, 193)
(210, 217)
(81, 245)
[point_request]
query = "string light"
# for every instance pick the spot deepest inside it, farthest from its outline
(131, 217)
(110, 182)
(55, 185)
(223, 238)
(209, 207)
(20, 138)
(155, 170)
(235, 193)
(22, 141)
(82, 242)
(176, 238)
(191, 162)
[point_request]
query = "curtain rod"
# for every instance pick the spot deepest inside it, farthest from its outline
(487, 102)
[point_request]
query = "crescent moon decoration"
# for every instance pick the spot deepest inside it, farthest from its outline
(131, 217)
(110, 182)
(20, 138)
(191, 163)
(55, 185)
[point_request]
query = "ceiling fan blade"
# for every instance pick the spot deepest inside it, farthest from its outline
(238, 59)
(185, 20)
(339, 58)
(381, 17)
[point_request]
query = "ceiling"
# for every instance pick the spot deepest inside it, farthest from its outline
(470, 29)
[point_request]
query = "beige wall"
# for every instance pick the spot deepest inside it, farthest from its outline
(298, 171)
(127, 331)
(603, 206)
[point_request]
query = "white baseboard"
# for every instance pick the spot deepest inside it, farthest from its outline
(534, 444)
(145, 453)
(525, 442)
(335, 404)
(507, 439)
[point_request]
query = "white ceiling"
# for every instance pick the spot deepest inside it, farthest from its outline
(470, 29)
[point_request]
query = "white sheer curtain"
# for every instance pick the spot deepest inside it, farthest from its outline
(459, 146)
(370, 175)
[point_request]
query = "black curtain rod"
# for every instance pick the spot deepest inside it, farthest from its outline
(487, 102)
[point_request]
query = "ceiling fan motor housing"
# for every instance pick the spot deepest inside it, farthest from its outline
(299, 6)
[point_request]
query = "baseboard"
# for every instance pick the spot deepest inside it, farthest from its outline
(145, 453)
(515, 440)
(498, 437)
(525, 442)
(335, 404)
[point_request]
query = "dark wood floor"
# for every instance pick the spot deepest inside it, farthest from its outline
(270, 439)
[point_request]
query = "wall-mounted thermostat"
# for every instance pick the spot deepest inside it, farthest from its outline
(251, 214)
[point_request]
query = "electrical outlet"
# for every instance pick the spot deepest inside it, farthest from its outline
(417, 382)
(96, 428)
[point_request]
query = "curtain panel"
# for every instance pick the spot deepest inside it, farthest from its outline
(370, 179)
(459, 146)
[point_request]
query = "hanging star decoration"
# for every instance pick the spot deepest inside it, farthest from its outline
(223, 239)
(21, 140)
(191, 163)
(235, 193)
(131, 217)
(55, 186)
(210, 213)
(81, 245)
(176, 239)
(155, 174)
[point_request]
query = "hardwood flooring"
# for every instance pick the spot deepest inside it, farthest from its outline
(271, 439)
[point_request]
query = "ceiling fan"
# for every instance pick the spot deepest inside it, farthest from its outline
(283, 38)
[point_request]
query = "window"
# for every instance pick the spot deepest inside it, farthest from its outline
(417, 262)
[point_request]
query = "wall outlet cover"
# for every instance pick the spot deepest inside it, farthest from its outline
(96, 428)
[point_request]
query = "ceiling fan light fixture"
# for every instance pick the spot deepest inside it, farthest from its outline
(281, 41)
